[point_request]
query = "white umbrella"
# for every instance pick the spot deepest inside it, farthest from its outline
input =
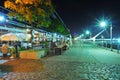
(9, 37)
(14, 37)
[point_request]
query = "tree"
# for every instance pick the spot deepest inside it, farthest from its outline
(57, 26)
(32, 11)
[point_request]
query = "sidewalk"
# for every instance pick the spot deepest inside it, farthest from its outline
(89, 53)
(80, 62)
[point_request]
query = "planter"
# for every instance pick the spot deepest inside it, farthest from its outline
(12, 52)
(31, 54)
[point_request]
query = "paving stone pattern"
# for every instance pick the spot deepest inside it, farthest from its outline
(55, 70)
(58, 68)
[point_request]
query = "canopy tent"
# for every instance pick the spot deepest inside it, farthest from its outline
(14, 37)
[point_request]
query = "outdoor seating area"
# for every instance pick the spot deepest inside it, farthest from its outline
(59, 49)
(22, 40)
(21, 47)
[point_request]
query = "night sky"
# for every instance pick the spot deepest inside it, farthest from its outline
(80, 15)
(1, 2)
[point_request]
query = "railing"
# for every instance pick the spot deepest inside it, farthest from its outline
(104, 43)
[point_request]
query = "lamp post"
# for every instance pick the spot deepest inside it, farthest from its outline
(118, 45)
(103, 24)
(88, 33)
(111, 37)
(2, 18)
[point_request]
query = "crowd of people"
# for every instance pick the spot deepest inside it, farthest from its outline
(10, 47)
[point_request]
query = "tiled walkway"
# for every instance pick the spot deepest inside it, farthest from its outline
(80, 62)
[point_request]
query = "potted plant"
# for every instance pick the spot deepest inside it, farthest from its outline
(12, 52)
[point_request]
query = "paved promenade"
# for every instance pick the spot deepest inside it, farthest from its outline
(80, 62)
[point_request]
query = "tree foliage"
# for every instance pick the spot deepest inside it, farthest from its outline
(33, 11)
(57, 26)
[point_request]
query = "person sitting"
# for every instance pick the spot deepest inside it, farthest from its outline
(5, 49)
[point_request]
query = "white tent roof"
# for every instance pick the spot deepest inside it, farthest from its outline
(14, 37)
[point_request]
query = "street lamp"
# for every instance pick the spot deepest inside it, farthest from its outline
(104, 24)
(118, 45)
(2, 18)
(87, 32)
(111, 36)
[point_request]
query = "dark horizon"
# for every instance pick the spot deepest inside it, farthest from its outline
(80, 15)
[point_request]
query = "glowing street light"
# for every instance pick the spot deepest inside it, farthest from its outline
(2, 18)
(104, 24)
(87, 32)
(82, 35)
(118, 40)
